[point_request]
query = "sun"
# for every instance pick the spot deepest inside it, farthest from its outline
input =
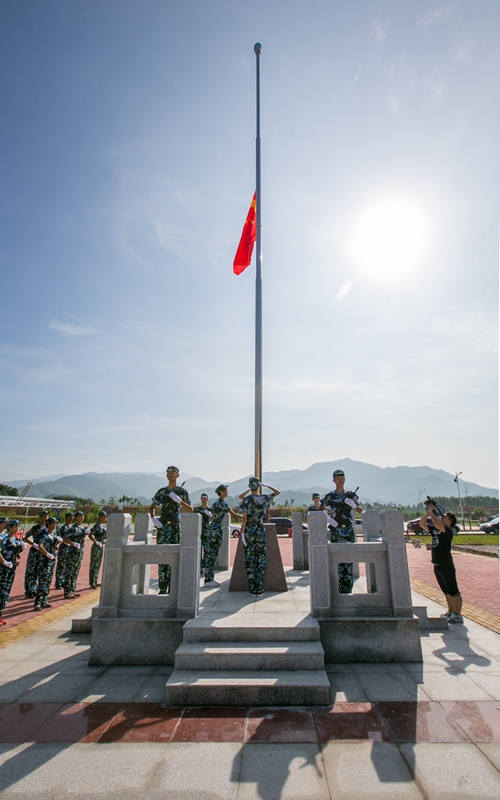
(389, 239)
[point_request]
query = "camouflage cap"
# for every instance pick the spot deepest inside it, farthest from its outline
(51, 519)
(4, 519)
(253, 482)
(102, 513)
(173, 469)
(316, 494)
(203, 494)
(221, 488)
(69, 514)
(338, 473)
(43, 513)
(79, 513)
(13, 522)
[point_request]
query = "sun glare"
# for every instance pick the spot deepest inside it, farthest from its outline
(389, 239)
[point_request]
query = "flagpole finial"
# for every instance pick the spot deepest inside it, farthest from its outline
(257, 48)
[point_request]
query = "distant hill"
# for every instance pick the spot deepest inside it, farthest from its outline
(398, 485)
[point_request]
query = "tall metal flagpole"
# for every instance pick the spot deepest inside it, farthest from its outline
(258, 286)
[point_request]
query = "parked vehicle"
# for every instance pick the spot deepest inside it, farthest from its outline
(490, 527)
(234, 530)
(413, 527)
(283, 525)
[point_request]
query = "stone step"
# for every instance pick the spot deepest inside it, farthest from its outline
(282, 627)
(248, 688)
(250, 656)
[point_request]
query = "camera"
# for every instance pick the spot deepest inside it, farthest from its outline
(437, 509)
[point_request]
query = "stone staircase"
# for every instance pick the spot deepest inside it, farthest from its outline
(260, 660)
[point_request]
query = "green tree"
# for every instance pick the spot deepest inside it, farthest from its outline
(8, 491)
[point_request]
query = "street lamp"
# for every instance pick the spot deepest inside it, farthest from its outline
(459, 498)
(420, 491)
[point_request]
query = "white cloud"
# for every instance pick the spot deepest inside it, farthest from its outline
(73, 330)
(344, 289)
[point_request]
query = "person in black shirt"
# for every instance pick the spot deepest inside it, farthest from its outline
(441, 530)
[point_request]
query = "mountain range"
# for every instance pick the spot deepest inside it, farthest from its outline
(397, 485)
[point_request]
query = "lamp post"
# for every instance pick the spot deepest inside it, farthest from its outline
(420, 491)
(459, 498)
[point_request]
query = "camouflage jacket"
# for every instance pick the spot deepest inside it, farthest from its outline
(341, 512)
(255, 507)
(205, 519)
(170, 510)
(98, 532)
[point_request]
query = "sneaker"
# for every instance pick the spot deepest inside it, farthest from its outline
(46, 605)
(37, 608)
(446, 616)
(212, 584)
(455, 618)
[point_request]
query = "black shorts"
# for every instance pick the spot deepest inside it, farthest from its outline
(447, 579)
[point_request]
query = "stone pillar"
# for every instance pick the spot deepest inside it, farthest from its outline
(143, 532)
(223, 557)
(392, 525)
(118, 532)
(371, 533)
(297, 541)
(319, 565)
(188, 593)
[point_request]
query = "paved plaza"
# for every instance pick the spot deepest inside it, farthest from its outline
(408, 730)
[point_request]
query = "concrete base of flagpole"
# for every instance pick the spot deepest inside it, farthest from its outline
(274, 576)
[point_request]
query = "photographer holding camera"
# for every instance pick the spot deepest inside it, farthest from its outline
(441, 526)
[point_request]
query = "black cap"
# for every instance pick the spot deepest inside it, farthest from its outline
(316, 494)
(339, 472)
(203, 494)
(221, 488)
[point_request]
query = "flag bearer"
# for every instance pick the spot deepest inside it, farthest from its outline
(75, 538)
(47, 548)
(206, 515)
(98, 537)
(10, 550)
(172, 499)
(215, 535)
(340, 504)
(253, 533)
(63, 548)
(33, 537)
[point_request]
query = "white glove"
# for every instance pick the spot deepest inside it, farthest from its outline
(350, 502)
(243, 539)
(59, 538)
(35, 546)
(264, 486)
(208, 513)
(75, 545)
(50, 556)
(99, 544)
(8, 564)
(23, 544)
(157, 523)
(175, 497)
(332, 521)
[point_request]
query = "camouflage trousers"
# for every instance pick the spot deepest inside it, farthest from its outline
(345, 570)
(169, 534)
(72, 564)
(44, 579)
(61, 557)
(255, 557)
(6, 580)
(211, 549)
(96, 554)
(30, 573)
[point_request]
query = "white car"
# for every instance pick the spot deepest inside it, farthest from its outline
(234, 530)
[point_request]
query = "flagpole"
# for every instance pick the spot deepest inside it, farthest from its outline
(258, 284)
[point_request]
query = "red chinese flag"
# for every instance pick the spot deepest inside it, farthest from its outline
(248, 236)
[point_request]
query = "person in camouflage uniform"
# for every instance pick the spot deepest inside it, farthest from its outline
(3, 524)
(253, 533)
(47, 548)
(75, 538)
(340, 504)
(10, 550)
(98, 536)
(215, 534)
(33, 537)
(63, 549)
(206, 515)
(316, 503)
(172, 499)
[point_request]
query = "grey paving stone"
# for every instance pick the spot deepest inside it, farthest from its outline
(492, 752)
(61, 687)
(490, 683)
(453, 771)
(368, 771)
(451, 685)
(391, 686)
(12, 688)
(282, 772)
(197, 771)
(113, 689)
(345, 688)
(153, 690)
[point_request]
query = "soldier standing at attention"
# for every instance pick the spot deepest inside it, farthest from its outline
(340, 504)
(3, 523)
(98, 536)
(47, 547)
(316, 503)
(63, 549)
(33, 537)
(172, 499)
(10, 550)
(253, 533)
(219, 510)
(75, 539)
(206, 515)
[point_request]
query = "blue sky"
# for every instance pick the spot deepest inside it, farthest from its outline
(127, 170)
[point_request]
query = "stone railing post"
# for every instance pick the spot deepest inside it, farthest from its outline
(297, 541)
(143, 532)
(319, 565)
(188, 593)
(223, 557)
(118, 532)
(392, 525)
(371, 533)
